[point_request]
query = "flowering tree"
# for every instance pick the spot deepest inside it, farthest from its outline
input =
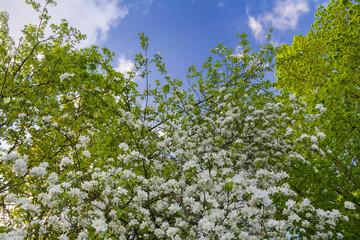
(89, 156)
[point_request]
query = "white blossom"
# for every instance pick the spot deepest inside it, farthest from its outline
(86, 153)
(38, 171)
(46, 118)
(321, 135)
(65, 76)
(28, 141)
(63, 237)
(123, 146)
(54, 190)
(11, 157)
(84, 140)
(52, 178)
(65, 161)
(313, 139)
(21, 115)
(349, 205)
(20, 165)
(320, 107)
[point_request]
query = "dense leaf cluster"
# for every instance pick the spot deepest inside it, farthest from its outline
(323, 67)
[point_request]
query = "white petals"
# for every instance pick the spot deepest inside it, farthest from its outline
(84, 139)
(46, 118)
(86, 153)
(349, 205)
(65, 161)
(320, 107)
(38, 172)
(65, 76)
(100, 225)
(321, 135)
(313, 139)
(20, 165)
(21, 115)
(123, 146)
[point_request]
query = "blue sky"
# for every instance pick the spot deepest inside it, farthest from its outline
(184, 31)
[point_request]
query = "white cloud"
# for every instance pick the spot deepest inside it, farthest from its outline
(92, 17)
(284, 16)
(256, 27)
(124, 65)
(147, 4)
(222, 3)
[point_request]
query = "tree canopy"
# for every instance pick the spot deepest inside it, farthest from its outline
(89, 155)
(323, 67)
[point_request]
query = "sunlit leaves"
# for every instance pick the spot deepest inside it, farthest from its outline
(323, 67)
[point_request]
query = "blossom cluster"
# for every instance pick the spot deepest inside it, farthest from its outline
(225, 178)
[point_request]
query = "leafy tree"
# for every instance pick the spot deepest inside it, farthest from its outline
(323, 67)
(90, 156)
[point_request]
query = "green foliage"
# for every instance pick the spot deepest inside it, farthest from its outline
(89, 155)
(323, 67)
